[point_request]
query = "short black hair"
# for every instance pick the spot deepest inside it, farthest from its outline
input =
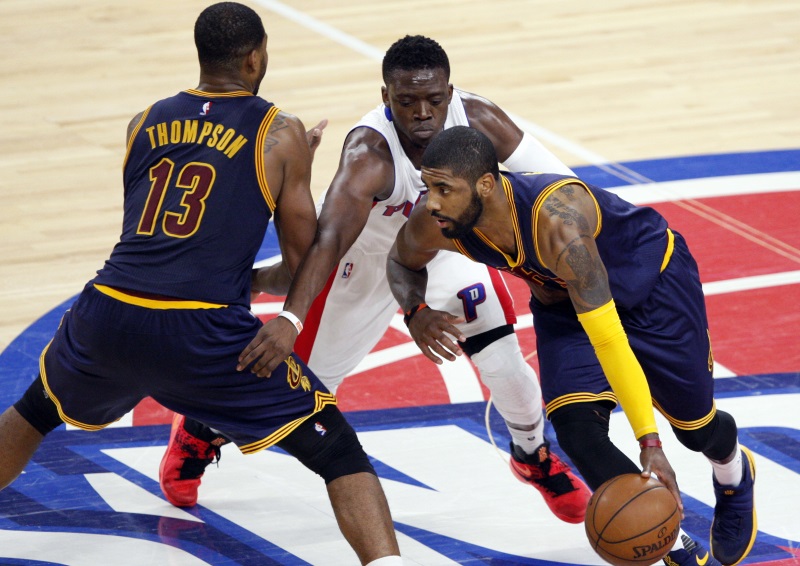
(414, 52)
(468, 153)
(226, 32)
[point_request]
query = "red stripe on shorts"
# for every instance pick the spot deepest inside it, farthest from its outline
(503, 294)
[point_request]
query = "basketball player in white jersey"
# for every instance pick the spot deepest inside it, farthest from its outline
(339, 304)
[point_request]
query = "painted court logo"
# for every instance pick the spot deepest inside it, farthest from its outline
(93, 497)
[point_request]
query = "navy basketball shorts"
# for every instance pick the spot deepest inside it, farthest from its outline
(668, 333)
(108, 354)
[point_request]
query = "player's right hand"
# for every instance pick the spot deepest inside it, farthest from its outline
(272, 345)
(654, 461)
(434, 332)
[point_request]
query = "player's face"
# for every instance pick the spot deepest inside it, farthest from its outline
(418, 101)
(452, 201)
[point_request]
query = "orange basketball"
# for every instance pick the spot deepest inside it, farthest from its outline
(632, 521)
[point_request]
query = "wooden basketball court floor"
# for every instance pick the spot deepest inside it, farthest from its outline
(690, 107)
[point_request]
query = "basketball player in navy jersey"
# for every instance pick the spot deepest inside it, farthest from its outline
(168, 314)
(616, 300)
(341, 294)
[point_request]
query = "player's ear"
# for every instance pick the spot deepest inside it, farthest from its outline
(251, 61)
(486, 185)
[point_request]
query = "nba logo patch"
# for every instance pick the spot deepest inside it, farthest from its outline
(348, 269)
(320, 428)
(206, 109)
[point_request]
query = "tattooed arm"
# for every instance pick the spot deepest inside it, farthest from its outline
(366, 172)
(566, 227)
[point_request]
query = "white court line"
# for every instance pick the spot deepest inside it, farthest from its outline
(322, 28)
(371, 52)
(709, 187)
(751, 283)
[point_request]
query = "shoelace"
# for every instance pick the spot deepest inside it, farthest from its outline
(193, 468)
(728, 523)
(552, 476)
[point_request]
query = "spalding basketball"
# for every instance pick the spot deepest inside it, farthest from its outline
(632, 521)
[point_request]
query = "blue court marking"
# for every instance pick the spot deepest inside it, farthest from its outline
(53, 495)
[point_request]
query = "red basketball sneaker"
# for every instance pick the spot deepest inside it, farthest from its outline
(185, 461)
(565, 494)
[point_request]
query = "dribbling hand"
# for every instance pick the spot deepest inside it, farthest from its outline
(654, 461)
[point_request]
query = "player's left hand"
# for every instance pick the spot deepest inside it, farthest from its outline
(434, 331)
(654, 461)
(314, 136)
(271, 346)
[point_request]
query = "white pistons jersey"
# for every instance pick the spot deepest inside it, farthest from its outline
(357, 305)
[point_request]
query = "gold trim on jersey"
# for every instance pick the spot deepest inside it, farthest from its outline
(583, 397)
(688, 425)
(159, 304)
(133, 136)
(537, 206)
(232, 94)
(321, 400)
(670, 249)
(463, 251)
(261, 174)
(57, 403)
(509, 191)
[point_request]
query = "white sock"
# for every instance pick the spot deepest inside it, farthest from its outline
(387, 561)
(528, 440)
(730, 473)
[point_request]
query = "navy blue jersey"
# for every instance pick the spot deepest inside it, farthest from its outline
(655, 285)
(197, 203)
(633, 241)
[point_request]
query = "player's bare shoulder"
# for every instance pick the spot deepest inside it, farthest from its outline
(286, 133)
(364, 143)
(487, 117)
(287, 156)
(481, 111)
(366, 161)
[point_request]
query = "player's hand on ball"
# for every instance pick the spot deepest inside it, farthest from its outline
(436, 335)
(654, 461)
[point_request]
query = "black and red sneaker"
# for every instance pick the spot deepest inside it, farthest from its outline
(565, 493)
(186, 459)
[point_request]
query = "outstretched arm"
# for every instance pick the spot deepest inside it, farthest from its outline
(516, 150)
(366, 171)
(417, 243)
(287, 163)
(567, 226)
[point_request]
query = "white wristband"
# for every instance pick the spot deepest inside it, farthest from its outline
(293, 319)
